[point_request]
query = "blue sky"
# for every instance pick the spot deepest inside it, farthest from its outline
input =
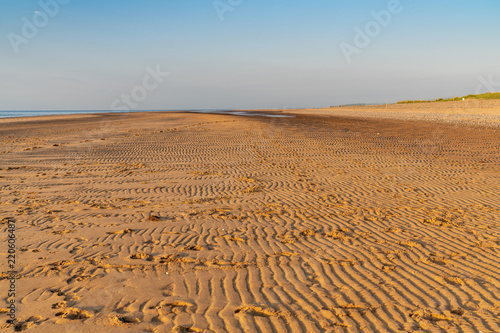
(88, 54)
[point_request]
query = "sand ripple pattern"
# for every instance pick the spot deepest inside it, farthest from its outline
(217, 223)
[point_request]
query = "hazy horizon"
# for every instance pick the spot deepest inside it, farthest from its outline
(239, 54)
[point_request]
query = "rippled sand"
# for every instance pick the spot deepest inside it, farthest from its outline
(163, 222)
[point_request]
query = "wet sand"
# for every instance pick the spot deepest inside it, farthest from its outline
(188, 222)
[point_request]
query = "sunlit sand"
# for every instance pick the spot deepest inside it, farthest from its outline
(192, 222)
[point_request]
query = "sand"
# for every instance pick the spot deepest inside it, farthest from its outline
(484, 113)
(183, 222)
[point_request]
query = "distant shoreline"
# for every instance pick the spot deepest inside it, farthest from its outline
(471, 112)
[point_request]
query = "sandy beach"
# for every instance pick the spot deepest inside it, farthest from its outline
(334, 220)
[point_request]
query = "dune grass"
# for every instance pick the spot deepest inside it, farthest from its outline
(495, 95)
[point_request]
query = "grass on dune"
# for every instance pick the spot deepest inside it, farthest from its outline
(484, 96)
(480, 96)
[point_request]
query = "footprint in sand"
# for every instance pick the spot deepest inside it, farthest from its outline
(30, 323)
(186, 329)
(74, 314)
(175, 307)
(308, 232)
(118, 232)
(142, 256)
(428, 315)
(258, 311)
(130, 319)
(60, 305)
(194, 248)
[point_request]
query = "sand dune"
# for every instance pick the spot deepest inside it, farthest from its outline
(174, 222)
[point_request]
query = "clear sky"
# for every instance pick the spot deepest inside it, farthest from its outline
(91, 54)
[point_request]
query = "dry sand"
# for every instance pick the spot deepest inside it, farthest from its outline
(175, 222)
(468, 112)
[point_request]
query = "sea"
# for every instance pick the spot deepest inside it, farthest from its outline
(10, 114)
